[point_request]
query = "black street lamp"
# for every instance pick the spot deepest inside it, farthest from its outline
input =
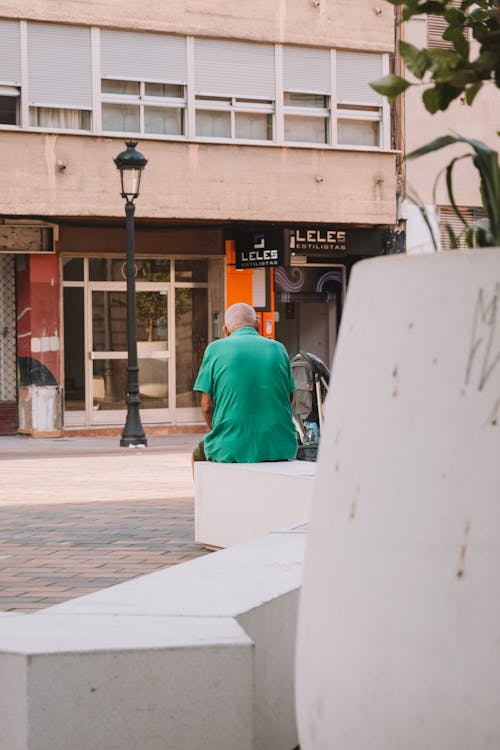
(130, 163)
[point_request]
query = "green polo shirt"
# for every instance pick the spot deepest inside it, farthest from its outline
(250, 381)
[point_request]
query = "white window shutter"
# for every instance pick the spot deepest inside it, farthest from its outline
(355, 70)
(306, 70)
(239, 69)
(436, 26)
(143, 56)
(59, 65)
(10, 53)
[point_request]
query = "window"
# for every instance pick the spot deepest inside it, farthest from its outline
(10, 67)
(56, 76)
(59, 119)
(59, 76)
(143, 107)
(143, 83)
(234, 89)
(359, 107)
(9, 105)
(244, 119)
(306, 117)
(306, 97)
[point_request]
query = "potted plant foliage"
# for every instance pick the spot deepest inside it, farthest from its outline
(446, 75)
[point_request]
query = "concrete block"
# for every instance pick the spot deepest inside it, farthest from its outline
(400, 608)
(123, 683)
(200, 655)
(238, 502)
(257, 584)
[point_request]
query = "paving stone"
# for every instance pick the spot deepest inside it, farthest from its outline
(57, 541)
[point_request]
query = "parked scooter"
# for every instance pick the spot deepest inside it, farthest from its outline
(312, 379)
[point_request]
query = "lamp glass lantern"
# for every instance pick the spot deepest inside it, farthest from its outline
(130, 164)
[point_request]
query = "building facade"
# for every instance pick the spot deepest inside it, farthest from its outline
(271, 170)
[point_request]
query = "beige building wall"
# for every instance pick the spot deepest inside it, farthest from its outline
(58, 175)
(65, 175)
(357, 24)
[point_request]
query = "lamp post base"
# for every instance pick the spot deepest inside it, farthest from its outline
(133, 442)
(133, 433)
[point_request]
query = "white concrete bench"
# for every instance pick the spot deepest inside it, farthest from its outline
(200, 655)
(238, 502)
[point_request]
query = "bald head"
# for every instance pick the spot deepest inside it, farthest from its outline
(239, 315)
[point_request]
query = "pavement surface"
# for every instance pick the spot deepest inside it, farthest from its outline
(80, 514)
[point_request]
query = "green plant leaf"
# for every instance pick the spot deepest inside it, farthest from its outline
(470, 234)
(454, 240)
(431, 100)
(432, 6)
(454, 16)
(390, 86)
(415, 60)
(449, 187)
(471, 92)
(461, 78)
(442, 62)
(439, 97)
(486, 61)
(457, 38)
(435, 145)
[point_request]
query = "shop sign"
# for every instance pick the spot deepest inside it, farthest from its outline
(260, 249)
(334, 241)
(22, 238)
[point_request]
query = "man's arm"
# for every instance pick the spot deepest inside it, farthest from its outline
(207, 408)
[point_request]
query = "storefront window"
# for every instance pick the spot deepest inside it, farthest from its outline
(96, 350)
(115, 269)
(72, 269)
(191, 270)
(109, 384)
(107, 269)
(74, 349)
(191, 325)
(109, 321)
(153, 270)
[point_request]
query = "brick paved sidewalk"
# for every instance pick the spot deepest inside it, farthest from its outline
(78, 517)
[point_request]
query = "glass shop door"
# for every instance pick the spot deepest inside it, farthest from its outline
(107, 373)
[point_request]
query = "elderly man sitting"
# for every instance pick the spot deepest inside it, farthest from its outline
(246, 383)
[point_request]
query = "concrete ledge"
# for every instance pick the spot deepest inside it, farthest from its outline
(238, 502)
(126, 682)
(200, 655)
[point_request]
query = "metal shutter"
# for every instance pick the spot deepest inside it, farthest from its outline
(306, 70)
(355, 70)
(59, 65)
(240, 69)
(143, 56)
(10, 53)
(436, 26)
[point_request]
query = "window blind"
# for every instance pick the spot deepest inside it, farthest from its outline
(143, 56)
(306, 70)
(59, 65)
(240, 69)
(354, 72)
(447, 216)
(10, 53)
(436, 26)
